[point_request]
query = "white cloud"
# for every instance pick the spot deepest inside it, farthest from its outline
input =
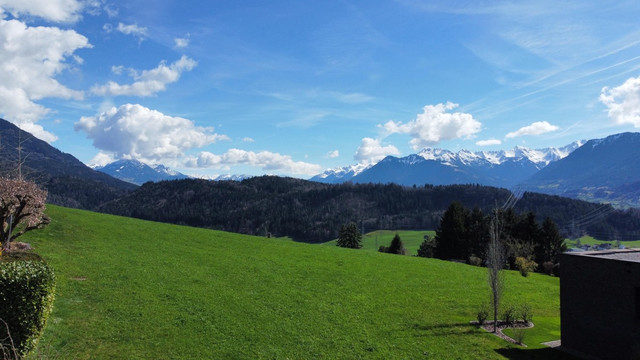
(31, 59)
(623, 102)
(436, 124)
(148, 82)
(101, 159)
(332, 154)
(181, 43)
(372, 151)
(352, 98)
(537, 128)
(488, 142)
(134, 131)
(248, 140)
(266, 160)
(138, 31)
(53, 10)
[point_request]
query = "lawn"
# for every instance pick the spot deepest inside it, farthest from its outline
(410, 239)
(589, 240)
(131, 289)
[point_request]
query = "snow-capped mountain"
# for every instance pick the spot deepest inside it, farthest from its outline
(224, 177)
(604, 170)
(341, 174)
(136, 172)
(504, 168)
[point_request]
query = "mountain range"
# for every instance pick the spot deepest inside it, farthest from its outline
(599, 170)
(136, 172)
(441, 167)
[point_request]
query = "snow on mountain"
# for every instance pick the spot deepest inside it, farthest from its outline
(136, 172)
(224, 177)
(500, 168)
(341, 174)
(540, 157)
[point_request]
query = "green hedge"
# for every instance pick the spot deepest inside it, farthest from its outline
(27, 290)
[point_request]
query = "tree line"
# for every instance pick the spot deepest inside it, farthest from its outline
(314, 212)
(465, 234)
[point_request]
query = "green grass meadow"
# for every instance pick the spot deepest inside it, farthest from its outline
(589, 240)
(131, 289)
(411, 239)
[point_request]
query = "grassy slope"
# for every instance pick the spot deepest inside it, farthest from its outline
(592, 241)
(132, 289)
(410, 239)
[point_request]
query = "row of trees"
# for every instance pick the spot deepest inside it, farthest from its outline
(313, 212)
(465, 234)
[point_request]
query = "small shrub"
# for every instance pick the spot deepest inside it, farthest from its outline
(509, 315)
(518, 335)
(525, 313)
(383, 249)
(547, 267)
(556, 270)
(525, 266)
(427, 247)
(483, 314)
(27, 293)
(475, 261)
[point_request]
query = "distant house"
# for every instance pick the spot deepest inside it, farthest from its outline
(600, 303)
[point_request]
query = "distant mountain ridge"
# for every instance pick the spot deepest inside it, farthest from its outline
(504, 168)
(136, 172)
(602, 170)
(599, 170)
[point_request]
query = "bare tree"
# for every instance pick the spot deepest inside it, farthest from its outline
(496, 259)
(22, 206)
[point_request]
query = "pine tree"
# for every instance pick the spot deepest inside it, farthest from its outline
(551, 241)
(350, 236)
(396, 246)
(426, 247)
(451, 241)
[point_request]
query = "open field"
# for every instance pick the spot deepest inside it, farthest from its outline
(410, 238)
(130, 289)
(588, 240)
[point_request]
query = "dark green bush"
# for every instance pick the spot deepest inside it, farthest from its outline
(27, 290)
(482, 315)
(509, 315)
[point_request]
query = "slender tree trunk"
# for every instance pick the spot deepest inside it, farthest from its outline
(495, 258)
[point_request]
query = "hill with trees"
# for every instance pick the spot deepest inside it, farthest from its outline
(68, 181)
(314, 212)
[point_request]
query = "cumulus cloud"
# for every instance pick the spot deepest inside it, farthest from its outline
(248, 139)
(537, 128)
(372, 151)
(101, 159)
(138, 31)
(488, 142)
(148, 82)
(134, 131)
(266, 160)
(53, 10)
(623, 102)
(436, 124)
(332, 154)
(181, 43)
(31, 59)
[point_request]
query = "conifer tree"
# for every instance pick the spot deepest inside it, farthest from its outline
(350, 236)
(396, 246)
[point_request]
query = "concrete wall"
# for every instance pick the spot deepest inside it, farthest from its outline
(598, 310)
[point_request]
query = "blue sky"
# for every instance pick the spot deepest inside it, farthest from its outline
(296, 87)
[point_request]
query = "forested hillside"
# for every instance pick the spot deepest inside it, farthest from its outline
(69, 182)
(313, 212)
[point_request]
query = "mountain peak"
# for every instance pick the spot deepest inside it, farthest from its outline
(136, 172)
